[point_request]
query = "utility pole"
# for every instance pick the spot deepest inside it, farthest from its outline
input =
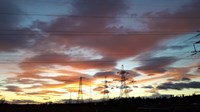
(80, 91)
(105, 91)
(123, 87)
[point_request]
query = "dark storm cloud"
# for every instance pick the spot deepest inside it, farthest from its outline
(98, 89)
(89, 20)
(12, 35)
(112, 44)
(154, 65)
(186, 79)
(31, 66)
(48, 57)
(7, 24)
(185, 19)
(98, 7)
(73, 78)
(8, 21)
(86, 24)
(65, 60)
(23, 38)
(112, 74)
(88, 15)
(179, 86)
(115, 46)
(109, 74)
(13, 89)
(148, 87)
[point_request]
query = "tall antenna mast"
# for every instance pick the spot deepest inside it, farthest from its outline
(123, 87)
(80, 91)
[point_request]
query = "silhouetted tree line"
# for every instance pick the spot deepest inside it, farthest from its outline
(3, 101)
(139, 104)
(194, 99)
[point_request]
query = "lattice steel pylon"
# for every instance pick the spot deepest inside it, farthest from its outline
(194, 45)
(195, 49)
(80, 92)
(105, 91)
(123, 87)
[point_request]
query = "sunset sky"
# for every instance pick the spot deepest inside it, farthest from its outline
(47, 45)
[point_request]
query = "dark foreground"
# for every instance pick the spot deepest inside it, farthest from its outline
(173, 104)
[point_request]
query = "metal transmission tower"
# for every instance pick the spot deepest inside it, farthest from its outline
(194, 45)
(196, 51)
(80, 91)
(105, 91)
(123, 87)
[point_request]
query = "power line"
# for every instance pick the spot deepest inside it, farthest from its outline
(67, 55)
(6, 56)
(93, 16)
(79, 55)
(113, 3)
(7, 32)
(74, 33)
(91, 61)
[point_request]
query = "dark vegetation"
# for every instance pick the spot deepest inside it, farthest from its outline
(172, 104)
